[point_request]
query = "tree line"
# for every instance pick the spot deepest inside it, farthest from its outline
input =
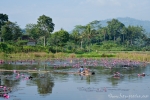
(83, 38)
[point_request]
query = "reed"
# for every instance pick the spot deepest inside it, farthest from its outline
(72, 55)
(130, 55)
(138, 56)
(59, 55)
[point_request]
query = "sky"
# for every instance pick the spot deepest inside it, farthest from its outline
(67, 14)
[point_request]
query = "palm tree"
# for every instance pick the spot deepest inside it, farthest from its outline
(104, 32)
(124, 32)
(88, 34)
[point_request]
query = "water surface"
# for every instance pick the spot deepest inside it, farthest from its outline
(58, 86)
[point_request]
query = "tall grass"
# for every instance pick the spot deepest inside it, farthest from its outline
(138, 55)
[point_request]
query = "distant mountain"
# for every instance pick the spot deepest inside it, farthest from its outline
(24, 31)
(130, 21)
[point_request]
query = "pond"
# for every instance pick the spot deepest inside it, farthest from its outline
(50, 85)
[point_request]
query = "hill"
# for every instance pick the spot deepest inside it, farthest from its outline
(131, 21)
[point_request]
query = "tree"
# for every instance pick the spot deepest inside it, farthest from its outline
(63, 35)
(45, 25)
(88, 34)
(75, 36)
(95, 27)
(114, 28)
(32, 31)
(59, 38)
(11, 31)
(3, 20)
(134, 33)
(80, 29)
(124, 33)
(104, 32)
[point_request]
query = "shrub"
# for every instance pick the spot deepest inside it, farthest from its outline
(72, 55)
(37, 55)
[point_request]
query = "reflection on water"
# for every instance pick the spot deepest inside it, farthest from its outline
(63, 86)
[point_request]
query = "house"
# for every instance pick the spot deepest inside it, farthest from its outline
(31, 42)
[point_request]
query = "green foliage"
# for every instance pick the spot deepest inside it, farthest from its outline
(3, 20)
(79, 51)
(21, 42)
(3, 47)
(114, 28)
(107, 55)
(59, 38)
(6, 48)
(32, 31)
(147, 48)
(96, 54)
(45, 25)
(108, 45)
(84, 38)
(10, 31)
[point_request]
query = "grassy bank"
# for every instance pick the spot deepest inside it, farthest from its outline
(130, 55)
(138, 56)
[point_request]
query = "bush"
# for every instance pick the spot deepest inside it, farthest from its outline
(79, 52)
(72, 55)
(107, 55)
(37, 55)
(21, 42)
(3, 47)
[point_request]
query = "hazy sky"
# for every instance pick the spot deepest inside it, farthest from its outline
(68, 13)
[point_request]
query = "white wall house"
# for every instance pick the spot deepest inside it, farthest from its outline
(31, 43)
